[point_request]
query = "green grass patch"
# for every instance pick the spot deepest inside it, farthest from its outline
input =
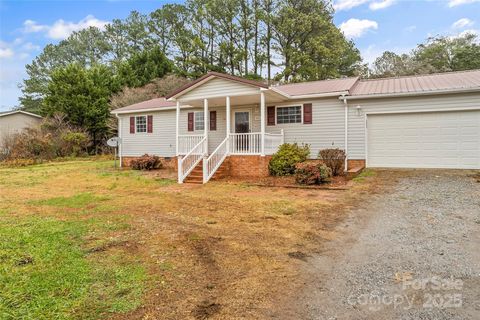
(363, 175)
(47, 272)
(79, 200)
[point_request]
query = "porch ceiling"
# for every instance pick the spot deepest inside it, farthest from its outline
(270, 97)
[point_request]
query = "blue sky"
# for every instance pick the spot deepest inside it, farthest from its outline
(375, 26)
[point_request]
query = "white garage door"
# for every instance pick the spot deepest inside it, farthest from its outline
(424, 140)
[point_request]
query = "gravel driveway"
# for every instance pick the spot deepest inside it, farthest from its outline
(410, 253)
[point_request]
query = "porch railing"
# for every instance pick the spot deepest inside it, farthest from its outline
(246, 143)
(191, 159)
(251, 143)
(215, 160)
(188, 142)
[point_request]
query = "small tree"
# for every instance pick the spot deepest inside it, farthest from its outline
(82, 95)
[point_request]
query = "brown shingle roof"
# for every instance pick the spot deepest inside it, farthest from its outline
(419, 84)
(318, 87)
(153, 104)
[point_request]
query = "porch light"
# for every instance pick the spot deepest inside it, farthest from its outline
(359, 110)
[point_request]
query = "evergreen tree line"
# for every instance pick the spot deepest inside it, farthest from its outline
(284, 40)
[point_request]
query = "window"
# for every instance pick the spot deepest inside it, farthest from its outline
(141, 124)
(289, 114)
(199, 121)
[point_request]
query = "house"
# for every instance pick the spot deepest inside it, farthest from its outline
(16, 121)
(223, 121)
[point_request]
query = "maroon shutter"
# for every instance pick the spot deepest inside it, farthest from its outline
(271, 116)
(149, 124)
(213, 120)
(132, 124)
(190, 121)
(307, 113)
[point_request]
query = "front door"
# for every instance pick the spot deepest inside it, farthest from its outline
(242, 125)
(242, 121)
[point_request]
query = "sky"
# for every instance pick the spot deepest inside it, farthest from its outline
(26, 26)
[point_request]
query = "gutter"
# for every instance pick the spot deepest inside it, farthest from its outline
(309, 96)
(346, 131)
(120, 136)
(148, 110)
(410, 94)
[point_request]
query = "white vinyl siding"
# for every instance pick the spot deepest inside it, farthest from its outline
(217, 87)
(161, 142)
(357, 123)
(326, 131)
(448, 139)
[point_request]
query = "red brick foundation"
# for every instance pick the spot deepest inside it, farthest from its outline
(168, 162)
(246, 166)
(355, 163)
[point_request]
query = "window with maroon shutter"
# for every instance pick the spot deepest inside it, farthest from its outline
(149, 124)
(271, 116)
(132, 124)
(190, 121)
(213, 120)
(307, 113)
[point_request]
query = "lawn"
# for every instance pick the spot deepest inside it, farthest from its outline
(80, 240)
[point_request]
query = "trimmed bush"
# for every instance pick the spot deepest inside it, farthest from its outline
(334, 159)
(146, 162)
(312, 173)
(288, 155)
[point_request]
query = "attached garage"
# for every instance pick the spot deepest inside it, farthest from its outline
(447, 139)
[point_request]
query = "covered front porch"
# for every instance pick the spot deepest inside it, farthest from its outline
(231, 126)
(218, 116)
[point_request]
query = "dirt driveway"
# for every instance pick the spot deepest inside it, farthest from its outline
(412, 253)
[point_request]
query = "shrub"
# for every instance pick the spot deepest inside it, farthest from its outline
(52, 139)
(288, 155)
(146, 162)
(312, 173)
(75, 142)
(334, 159)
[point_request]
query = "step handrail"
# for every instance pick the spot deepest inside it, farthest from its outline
(191, 160)
(215, 160)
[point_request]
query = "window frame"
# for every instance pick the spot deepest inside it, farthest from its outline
(146, 123)
(287, 106)
(195, 121)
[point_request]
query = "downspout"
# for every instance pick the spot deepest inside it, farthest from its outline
(120, 136)
(346, 131)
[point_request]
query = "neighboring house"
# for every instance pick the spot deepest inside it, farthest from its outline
(15, 121)
(425, 121)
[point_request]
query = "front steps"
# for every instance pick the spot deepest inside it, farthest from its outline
(196, 176)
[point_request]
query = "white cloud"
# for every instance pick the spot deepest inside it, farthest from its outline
(6, 53)
(410, 28)
(462, 23)
(454, 3)
(469, 31)
(30, 47)
(61, 29)
(347, 4)
(355, 28)
(382, 4)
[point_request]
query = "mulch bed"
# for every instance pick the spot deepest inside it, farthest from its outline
(337, 183)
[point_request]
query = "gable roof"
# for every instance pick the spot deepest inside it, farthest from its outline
(210, 75)
(318, 87)
(149, 105)
(420, 84)
(7, 113)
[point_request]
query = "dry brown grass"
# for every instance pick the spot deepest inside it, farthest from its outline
(219, 251)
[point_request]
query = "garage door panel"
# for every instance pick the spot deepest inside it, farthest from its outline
(424, 140)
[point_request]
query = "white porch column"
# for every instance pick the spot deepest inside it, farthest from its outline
(206, 125)
(262, 121)
(228, 119)
(177, 130)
